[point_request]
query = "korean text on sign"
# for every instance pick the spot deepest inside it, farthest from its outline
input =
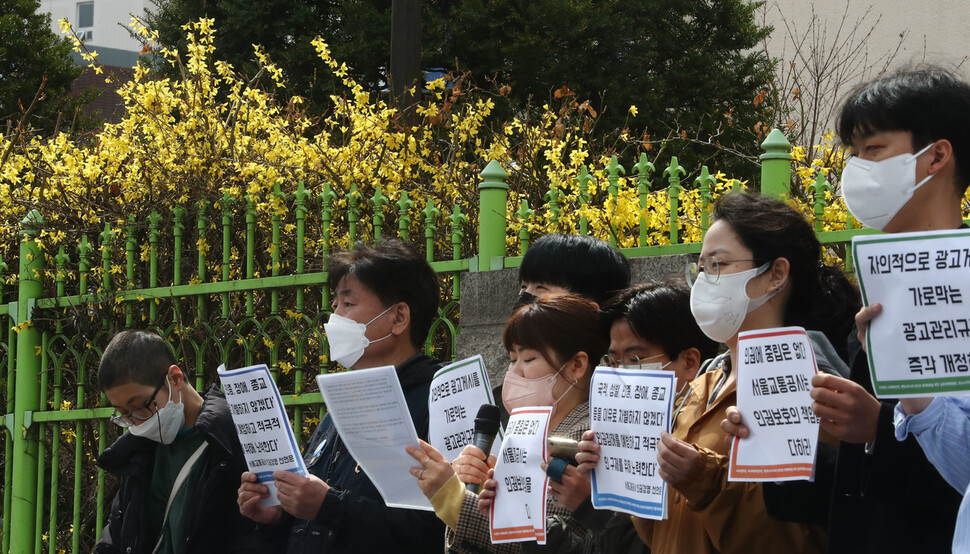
(518, 511)
(775, 370)
(919, 345)
(628, 410)
(457, 391)
(260, 420)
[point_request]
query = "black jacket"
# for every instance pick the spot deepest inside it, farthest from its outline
(216, 525)
(353, 517)
(892, 500)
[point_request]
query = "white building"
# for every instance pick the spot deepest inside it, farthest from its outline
(102, 24)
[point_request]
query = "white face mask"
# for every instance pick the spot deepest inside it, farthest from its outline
(719, 308)
(348, 339)
(874, 192)
(165, 425)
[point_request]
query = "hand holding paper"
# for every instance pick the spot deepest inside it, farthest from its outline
(371, 415)
(249, 498)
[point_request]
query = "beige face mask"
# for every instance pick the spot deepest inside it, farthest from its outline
(517, 391)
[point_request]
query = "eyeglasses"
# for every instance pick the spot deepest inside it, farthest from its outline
(710, 267)
(141, 414)
(631, 362)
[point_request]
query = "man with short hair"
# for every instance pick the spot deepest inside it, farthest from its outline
(178, 463)
(386, 298)
(909, 134)
(579, 264)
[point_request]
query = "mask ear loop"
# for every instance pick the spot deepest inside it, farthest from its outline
(370, 342)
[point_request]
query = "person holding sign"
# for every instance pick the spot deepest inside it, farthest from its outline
(909, 135)
(648, 324)
(386, 298)
(552, 343)
(178, 462)
(758, 269)
(915, 124)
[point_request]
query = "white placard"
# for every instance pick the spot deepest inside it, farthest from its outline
(267, 440)
(518, 512)
(628, 408)
(457, 392)
(775, 370)
(920, 344)
(371, 415)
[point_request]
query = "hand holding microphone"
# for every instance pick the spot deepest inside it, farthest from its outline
(471, 467)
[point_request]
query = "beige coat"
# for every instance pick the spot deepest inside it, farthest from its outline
(707, 514)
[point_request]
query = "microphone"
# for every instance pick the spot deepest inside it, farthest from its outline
(562, 447)
(486, 427)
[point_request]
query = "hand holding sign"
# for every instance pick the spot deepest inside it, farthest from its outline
(676, 458)
(264, 431)
(846, 410)
(250, 495)
(300, 495)
(774, 369)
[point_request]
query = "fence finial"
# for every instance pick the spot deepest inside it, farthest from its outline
(493, 194)
(776, 166)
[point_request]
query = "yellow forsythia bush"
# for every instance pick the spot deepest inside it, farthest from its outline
(210, 143)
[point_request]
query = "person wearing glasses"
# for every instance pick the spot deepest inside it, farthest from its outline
(649, 325)
(179, 461)
(758, 268)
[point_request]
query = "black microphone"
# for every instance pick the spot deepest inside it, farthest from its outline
(486, 427)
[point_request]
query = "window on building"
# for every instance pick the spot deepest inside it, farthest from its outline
(85, 20)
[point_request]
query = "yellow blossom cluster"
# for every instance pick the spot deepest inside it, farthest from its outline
(216, 148)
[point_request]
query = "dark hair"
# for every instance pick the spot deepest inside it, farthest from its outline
(930, 102)
(822, 298)
(134, 357)
(584, 265)
(394, 272)
(560, 326)
(660, 313)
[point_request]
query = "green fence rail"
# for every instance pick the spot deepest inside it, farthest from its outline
(54, 497)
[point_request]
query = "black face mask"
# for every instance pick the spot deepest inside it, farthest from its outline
(523, 298)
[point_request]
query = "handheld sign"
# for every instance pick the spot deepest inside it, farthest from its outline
(457, 391)
(371, 415)
(918, 345)
(775, 372)
(260, 420)
(518, 510)
(628, 408)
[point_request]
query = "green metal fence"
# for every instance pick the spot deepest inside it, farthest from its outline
(54, 497)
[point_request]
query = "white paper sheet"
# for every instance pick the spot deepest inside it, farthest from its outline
(368, 408)
(628, 409)
(260, 420)
(775, 373)
(457, 392)
(518, 511)
(920, 344)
